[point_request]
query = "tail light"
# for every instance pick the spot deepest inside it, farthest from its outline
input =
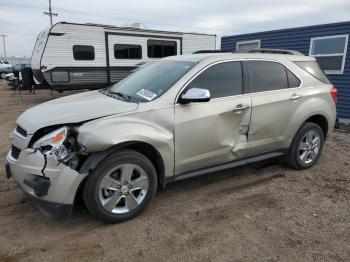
(334, 93)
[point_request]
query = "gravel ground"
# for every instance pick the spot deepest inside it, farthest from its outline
(262, 212)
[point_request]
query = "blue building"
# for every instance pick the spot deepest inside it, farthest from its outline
(328, 43)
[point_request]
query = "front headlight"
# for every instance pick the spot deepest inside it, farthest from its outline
(54, 143)
(56, 137)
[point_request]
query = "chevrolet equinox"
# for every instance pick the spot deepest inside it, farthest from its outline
(176, 118)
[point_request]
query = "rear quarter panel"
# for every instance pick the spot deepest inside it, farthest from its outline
(316, 100)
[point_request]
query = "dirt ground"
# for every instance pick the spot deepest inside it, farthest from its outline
(263, 212)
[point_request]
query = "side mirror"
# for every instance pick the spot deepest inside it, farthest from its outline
(195, 95)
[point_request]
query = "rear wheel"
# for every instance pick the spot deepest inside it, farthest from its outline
(306, 147)
(120, 187)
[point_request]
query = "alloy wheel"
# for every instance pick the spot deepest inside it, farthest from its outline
(123, 189)
(309, 147)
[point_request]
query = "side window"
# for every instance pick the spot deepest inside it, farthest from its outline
(224, 79)
(83, 52)
(123, 51)
(293, 81)
(265, 76)
(161, 48)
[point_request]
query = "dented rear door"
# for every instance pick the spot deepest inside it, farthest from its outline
(213, 132)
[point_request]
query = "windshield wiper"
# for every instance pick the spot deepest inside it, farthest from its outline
(122, 95)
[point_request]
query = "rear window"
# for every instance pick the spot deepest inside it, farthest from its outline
(313, 69)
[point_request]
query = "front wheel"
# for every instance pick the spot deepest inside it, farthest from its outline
(120, 187)
(306, 147)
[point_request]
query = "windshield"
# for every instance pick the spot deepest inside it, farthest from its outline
(151, 81)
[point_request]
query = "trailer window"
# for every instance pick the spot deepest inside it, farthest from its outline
(161, 48)
(123, 51)
(83, 52)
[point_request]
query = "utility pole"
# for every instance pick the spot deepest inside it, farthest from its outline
(3, 40)
(50, 13)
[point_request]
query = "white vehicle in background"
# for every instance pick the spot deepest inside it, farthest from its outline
(5, 68)
(90, 56)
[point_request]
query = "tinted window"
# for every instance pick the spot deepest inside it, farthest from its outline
(122, 51)
(83, 52)
(312, 68)
(161, 48)
(293, 81)
(224, 79)
(265, 76)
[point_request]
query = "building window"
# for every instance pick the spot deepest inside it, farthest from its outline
(161, 48)
(248, 45)
(124, 51)
(83, 52)
(330, 52)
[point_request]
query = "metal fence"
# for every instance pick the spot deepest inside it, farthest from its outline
(16, 60)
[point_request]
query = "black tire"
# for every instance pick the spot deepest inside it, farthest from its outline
(293, 158)
(91, 187)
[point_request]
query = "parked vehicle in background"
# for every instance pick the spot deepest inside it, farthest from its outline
(14, 79)
(9, 76)
(16, 69)
(5, 68)
(176, 118)
(89, 56)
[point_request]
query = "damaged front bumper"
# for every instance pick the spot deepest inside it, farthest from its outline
(50, 184)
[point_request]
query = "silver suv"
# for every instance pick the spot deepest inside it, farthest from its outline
(177, 118)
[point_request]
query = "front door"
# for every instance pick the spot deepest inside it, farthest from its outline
(208, 133)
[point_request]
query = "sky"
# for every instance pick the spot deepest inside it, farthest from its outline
(22, 20)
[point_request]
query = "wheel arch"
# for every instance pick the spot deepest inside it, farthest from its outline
(146, 149)
(321, 121)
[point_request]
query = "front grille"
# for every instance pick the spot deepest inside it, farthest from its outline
(15, 152)
(21, 131)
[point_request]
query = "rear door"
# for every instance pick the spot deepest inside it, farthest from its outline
(275, 95)
(213, 132)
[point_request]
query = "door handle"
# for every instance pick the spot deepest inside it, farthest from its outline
(295, 97)
(239, 108)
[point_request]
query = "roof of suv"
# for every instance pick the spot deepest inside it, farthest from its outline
(224, 56)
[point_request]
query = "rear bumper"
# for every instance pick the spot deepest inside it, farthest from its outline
(49, 184)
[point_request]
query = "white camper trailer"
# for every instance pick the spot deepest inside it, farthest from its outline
(90, 56)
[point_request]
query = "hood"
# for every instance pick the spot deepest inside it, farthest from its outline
(72, 109)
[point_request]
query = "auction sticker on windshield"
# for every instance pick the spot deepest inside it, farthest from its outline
(146, 94)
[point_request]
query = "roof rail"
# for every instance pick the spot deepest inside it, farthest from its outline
(210, 51)
(257, 50)
(274, 51)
